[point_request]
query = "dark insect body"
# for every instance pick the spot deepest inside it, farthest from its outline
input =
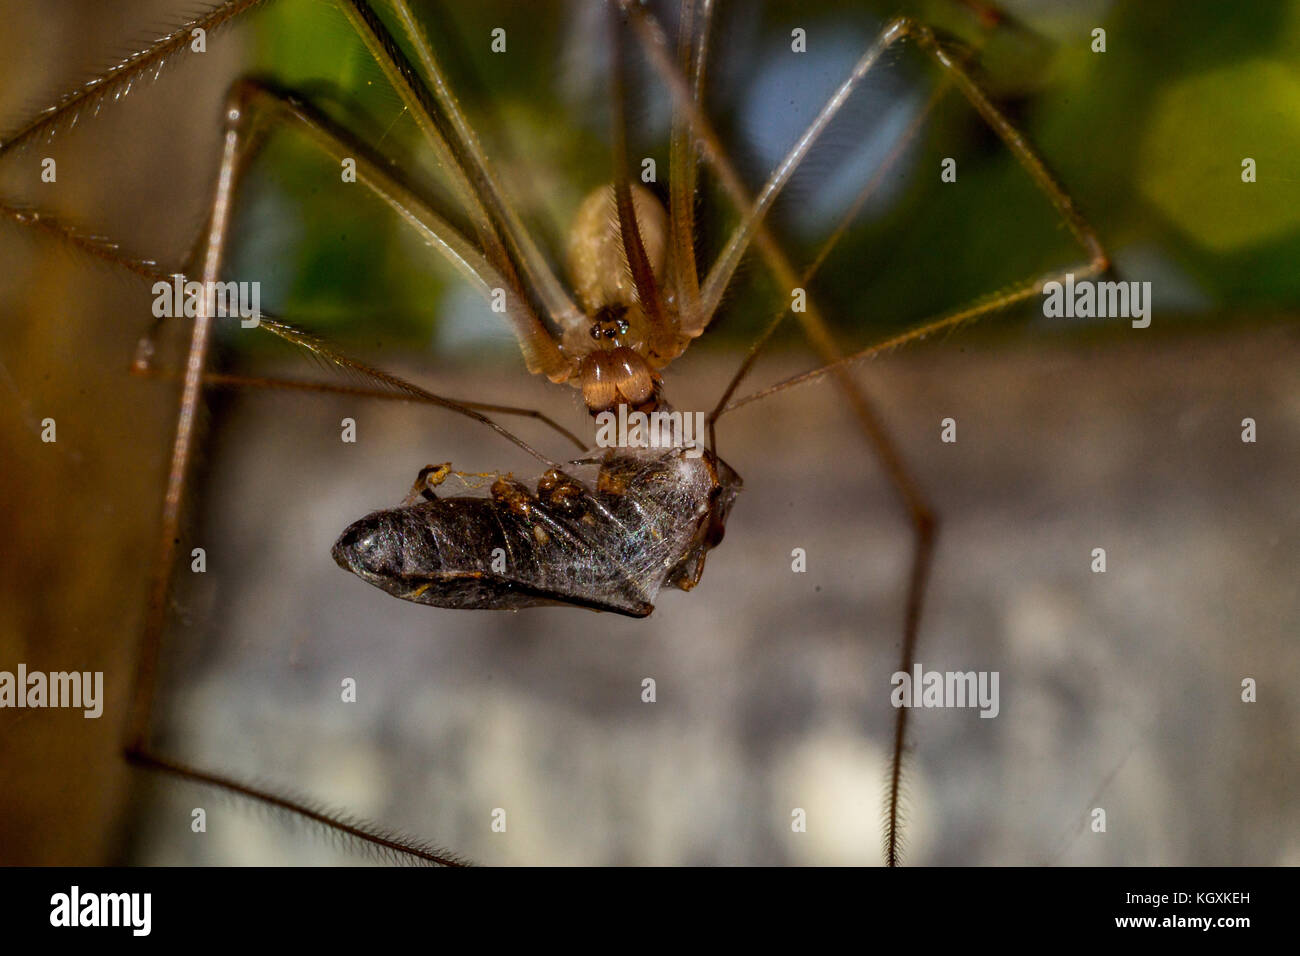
(646, 522)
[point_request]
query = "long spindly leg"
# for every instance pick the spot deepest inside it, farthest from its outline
(246, 100)
(387, 386)
(692, 45)
(663, 333)
(920, 514)
(754, 210)
(459, 154)
(1097, 262)
(278, 107)
(244, 103)
(434, 107)
(923, 517)
(538, 348)
(117, 81)
(828, 245)
(480, 190)
(264, 104)
(989, 18)
(273, 383)
(753, 228)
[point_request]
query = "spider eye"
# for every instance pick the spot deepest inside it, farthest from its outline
(622, 326)
(595, 331)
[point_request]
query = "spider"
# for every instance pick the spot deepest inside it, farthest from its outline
(639, 295)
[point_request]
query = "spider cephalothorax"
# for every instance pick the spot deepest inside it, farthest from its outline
(623, 343)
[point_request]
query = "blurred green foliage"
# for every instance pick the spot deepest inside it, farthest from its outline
(1152, 134)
